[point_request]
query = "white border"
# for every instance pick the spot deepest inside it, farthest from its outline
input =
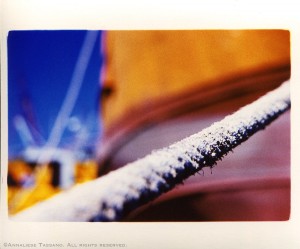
(234, 14)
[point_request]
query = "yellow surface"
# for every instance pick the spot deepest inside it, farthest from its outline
(20, 198)
(85, 171)
(142, 66)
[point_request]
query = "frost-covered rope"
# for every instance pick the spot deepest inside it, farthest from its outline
(111, 197)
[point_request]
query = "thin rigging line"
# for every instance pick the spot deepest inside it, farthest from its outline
(68, 104)
(72, 93)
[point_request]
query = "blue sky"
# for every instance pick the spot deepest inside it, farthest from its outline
(40, 68)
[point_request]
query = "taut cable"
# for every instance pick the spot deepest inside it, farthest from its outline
(113, 196)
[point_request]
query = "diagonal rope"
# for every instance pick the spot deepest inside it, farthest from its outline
(111, 197)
